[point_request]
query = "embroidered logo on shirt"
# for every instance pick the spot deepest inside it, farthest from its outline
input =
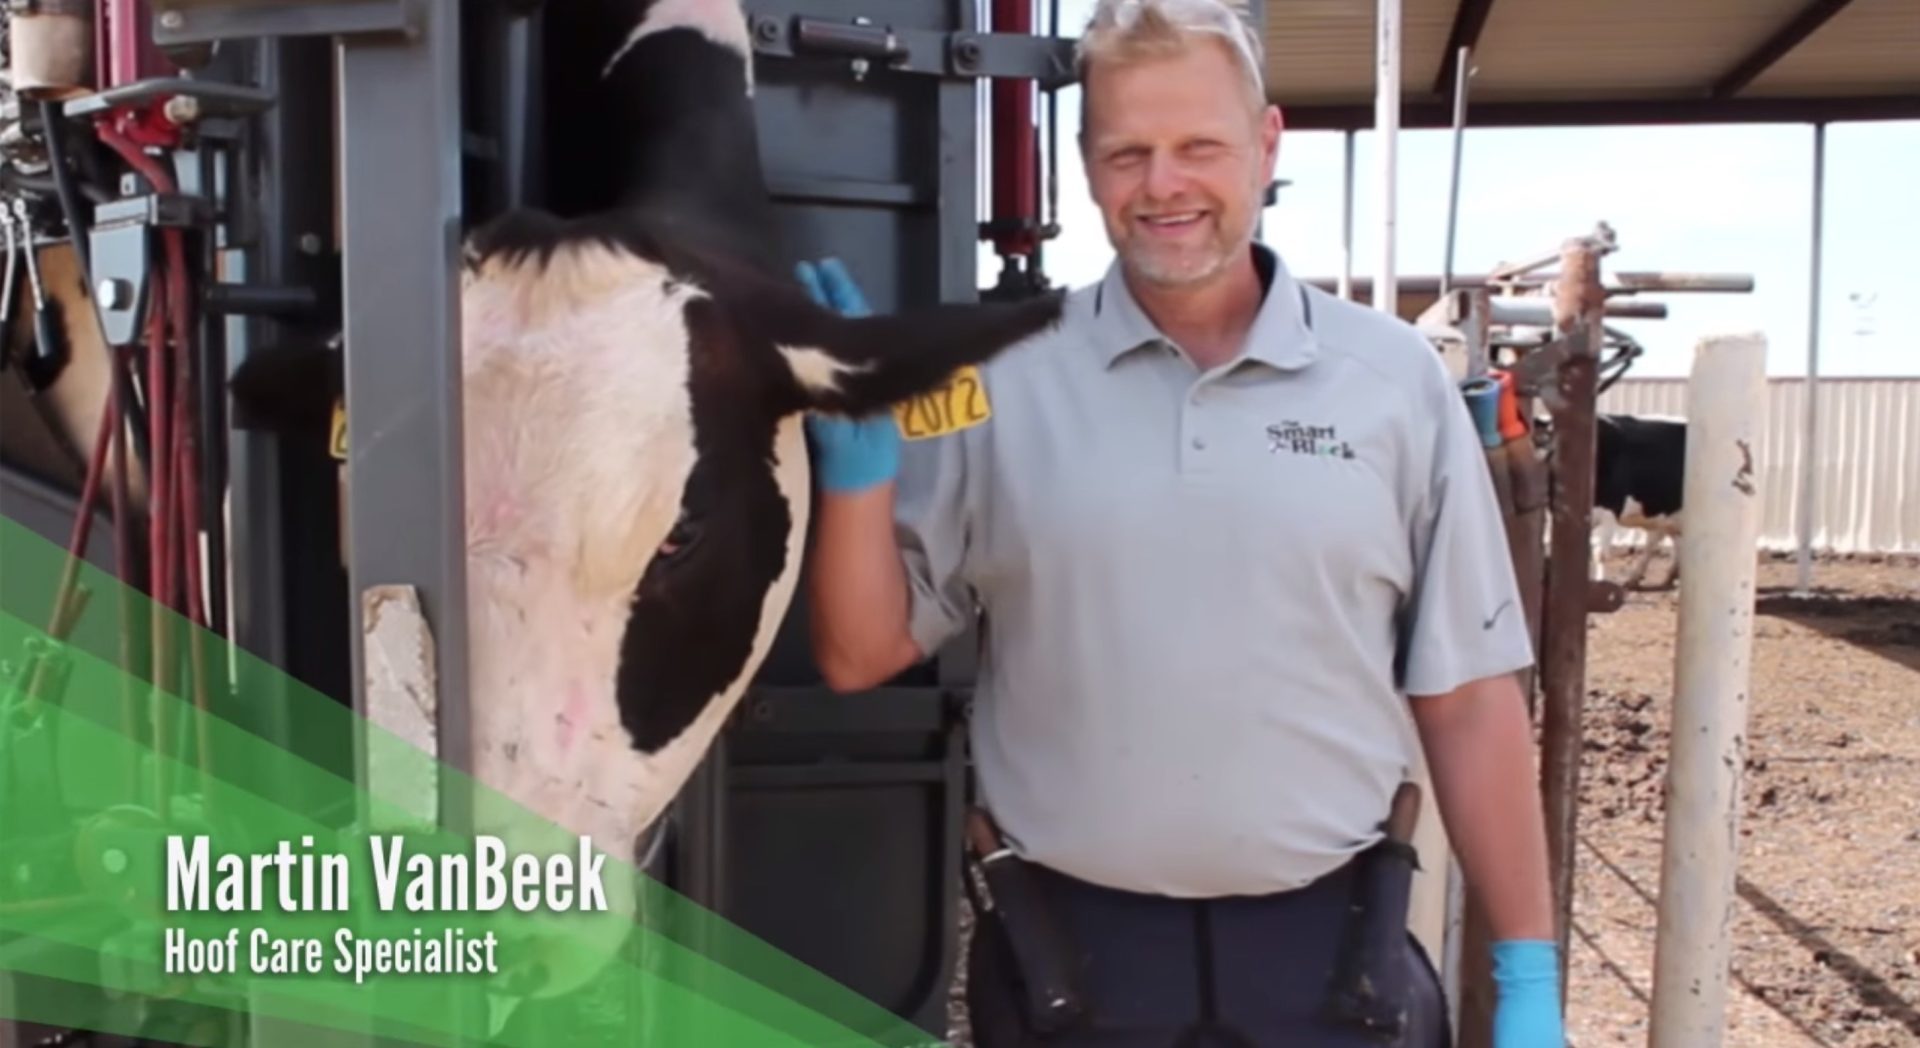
(1302, 439)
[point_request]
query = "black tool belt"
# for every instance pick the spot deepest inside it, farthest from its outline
(1011, 907)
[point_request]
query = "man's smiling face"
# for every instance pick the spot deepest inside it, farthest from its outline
(1178, 153)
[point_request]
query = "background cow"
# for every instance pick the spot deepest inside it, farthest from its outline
(1639, 474)
(638, 357)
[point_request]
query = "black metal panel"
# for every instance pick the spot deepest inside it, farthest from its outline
(829, 825)
(289, 581)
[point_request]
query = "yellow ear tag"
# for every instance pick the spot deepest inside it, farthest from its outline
(956, 404)
(337, 436)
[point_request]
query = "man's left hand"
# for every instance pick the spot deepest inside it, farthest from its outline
(850, 455)
(1527, 975)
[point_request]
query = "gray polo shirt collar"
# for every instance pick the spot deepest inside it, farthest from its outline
(1279, 337)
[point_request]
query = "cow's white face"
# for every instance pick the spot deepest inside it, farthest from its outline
(580, 441)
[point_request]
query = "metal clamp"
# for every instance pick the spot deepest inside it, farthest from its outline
(121, 254)
(928, 52)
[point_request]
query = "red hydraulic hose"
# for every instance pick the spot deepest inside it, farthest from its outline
(60, 620)
(1016, 191)
(171, 432)
(175, 529)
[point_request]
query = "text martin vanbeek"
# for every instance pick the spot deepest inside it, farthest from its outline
(310, 882)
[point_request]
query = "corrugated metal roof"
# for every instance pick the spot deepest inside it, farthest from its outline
(1868, 44)
(1322, 50)
(1569, 49)
(1576, 61)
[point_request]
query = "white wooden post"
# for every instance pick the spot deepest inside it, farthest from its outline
(1726, 407)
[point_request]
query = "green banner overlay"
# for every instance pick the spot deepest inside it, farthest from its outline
(197, 848)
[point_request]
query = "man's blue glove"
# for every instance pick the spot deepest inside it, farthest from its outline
(1527, 1015)
(850, 454)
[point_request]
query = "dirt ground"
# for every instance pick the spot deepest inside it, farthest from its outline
(1826, 947)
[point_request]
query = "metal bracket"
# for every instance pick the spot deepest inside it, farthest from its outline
(121, 257)
(1533, 373)
(1048, 60)
(212, 97)
(178, 23)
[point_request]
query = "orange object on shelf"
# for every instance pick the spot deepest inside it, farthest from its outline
(1511, 424)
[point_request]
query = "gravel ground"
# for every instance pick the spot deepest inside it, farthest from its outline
(1826, 946)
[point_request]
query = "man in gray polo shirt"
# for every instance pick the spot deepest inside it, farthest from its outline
(1237, 559)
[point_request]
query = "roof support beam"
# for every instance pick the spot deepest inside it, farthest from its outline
(1777, 46)
(1469, 18)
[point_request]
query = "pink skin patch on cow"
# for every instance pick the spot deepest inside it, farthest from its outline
(573, 710)
(499, 514)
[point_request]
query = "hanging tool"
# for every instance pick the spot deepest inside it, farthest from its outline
(49, 355)
(6, 289)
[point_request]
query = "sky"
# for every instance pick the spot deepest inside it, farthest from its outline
(1715, 198)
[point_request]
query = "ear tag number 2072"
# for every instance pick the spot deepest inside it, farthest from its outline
(956, 404)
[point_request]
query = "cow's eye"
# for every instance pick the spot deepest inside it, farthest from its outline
(685, 533)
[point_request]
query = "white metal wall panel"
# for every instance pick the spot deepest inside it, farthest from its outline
(1866, 468)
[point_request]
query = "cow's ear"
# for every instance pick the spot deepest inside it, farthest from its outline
(287, 391)
(859, 365)
(855, 366)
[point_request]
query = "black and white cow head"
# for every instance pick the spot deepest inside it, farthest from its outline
(637, 362)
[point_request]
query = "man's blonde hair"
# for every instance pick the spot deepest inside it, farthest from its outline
(1124, 31)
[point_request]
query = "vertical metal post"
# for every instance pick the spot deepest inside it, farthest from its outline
(1809, 447)
(1453, 186)
(1579, 312)
(1386, 122)
(1346, 222)
(400, 156)
(1726, 408)
(401, 129)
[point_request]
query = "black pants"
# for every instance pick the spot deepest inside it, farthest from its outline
(1242, 972)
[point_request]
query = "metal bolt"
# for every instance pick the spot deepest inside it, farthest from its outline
(766, 29)
(172, 20)
(114, 293)
(310, 243)
(182, 109)
(114, 860)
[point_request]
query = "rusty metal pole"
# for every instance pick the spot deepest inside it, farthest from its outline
(1579, 312)
(1523, 514)
(1475, 991)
